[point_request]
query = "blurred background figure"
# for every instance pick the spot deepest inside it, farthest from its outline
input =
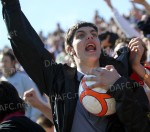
(18, 79)
(12, 112)
(108, 40)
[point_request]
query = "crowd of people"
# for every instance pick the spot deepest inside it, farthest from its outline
(38, 74)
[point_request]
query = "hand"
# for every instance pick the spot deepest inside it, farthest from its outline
(138, 1)
(136, 47)
(104, 77)
(108, 2)
(31, 97)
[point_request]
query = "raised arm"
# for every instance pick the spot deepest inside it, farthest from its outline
(144, 3)
(26, 44)
(122, 23)
(137, 51)
(32, 98)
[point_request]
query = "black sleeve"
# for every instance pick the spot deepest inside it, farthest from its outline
(121, 63)
(131, 105)
(27, 46)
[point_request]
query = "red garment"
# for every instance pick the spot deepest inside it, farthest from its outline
(136, 78)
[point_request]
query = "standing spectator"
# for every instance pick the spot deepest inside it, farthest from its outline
(19, 80)
(108, 40)
(62, 82)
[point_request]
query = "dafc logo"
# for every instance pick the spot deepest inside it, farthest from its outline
(48, 63)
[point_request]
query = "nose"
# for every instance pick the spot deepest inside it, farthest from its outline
(90, 37)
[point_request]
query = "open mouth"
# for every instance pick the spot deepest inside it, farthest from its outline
(90, 47)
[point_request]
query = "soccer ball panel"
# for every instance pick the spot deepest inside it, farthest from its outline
(96, 101)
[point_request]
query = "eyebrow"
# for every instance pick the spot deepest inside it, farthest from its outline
(82, 31)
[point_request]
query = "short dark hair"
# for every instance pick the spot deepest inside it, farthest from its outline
(71, 32)
(145, 26)
(10, 54)
(9, 100)
(112, 37)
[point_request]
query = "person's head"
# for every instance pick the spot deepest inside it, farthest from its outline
(82, 43)
(144, 26)
(120, 43)
(10, 101)
(108, 39)
(8, 62)
(45, 123)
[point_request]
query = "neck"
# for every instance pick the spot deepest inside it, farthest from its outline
(85, 68)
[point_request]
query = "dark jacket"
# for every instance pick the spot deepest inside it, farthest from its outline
(20, 124)
(59, 81)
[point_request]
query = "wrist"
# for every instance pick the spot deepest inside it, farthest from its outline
(144, 3)
(136, 67)
(117, 78)
(141, 72)
(40, 105)
(146, 75)
(110, 6)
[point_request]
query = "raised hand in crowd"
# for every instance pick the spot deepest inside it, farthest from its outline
(139, 1)
(136, 46)
(108, 2)
(144, 3)
(136, 51)
(31, 97)
(121, 22)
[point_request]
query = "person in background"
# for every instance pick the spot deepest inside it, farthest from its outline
(135, 76)
(144, 3)
(19, 80)
(12, 111)
(108, 40)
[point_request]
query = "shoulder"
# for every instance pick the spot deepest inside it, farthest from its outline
(68, 70)
(22, 75)
(17, 124)
(8, 125)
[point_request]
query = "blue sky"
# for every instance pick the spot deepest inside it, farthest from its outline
(44, 14)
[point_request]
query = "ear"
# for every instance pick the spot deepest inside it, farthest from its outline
(70, 50)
